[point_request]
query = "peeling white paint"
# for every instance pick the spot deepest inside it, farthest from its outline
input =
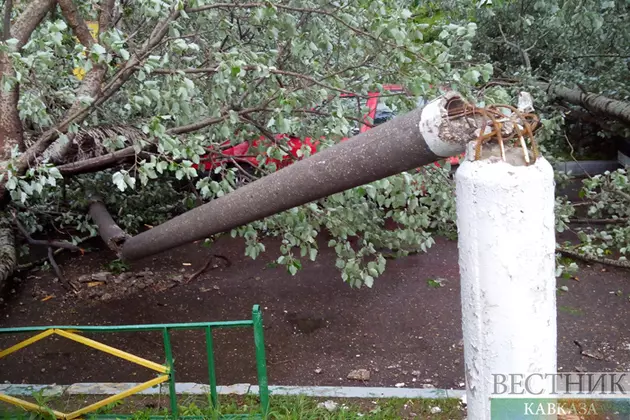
(433, 114)
(505, 218)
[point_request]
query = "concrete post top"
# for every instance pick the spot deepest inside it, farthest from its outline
(491, 154)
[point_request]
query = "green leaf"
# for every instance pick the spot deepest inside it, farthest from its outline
(292, 269)
(368, 281)
(119, 180)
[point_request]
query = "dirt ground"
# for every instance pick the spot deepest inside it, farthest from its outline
(404, 330)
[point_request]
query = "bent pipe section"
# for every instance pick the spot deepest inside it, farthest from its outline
(402, 144)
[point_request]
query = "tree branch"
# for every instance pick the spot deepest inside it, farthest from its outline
(11, 131)
(524, 54)
(330, 14)
(113, 236)
(106, 16)
(38, 242)
(326, 114)
(601, 260)
(599, 221)
(28, 20)
(599, 104)
(96, 163)
(310, 79)
(183, 129)
(76, 23)
(6, 24)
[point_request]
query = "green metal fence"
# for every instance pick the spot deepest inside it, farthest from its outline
(167, 371)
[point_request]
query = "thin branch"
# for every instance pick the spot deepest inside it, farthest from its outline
(331, 14)
(593, 259)
(523, 52)
(620, 56)
(310, 79)
(205, 267)
(260, 128)
(183, 129)
(243, 171)
(68, 284)
(195, 192)
(30, 265)
(266, 133)
(106, 15)
(55, 244)
(621, 194)
(599, 221)
(326, 114)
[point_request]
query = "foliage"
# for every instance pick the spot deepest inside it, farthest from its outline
(242, 71)
(580, 44)
(572, 42)
(609, 198)
(239, 72)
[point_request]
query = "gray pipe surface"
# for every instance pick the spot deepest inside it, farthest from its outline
(388, 149)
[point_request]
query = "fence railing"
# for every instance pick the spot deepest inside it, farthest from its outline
(166, 372)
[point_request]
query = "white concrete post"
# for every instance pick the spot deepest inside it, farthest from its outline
(505, 219)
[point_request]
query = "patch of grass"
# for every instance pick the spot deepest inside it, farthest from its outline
(570, 310)
(436, 283)
(281, 408)
(117, 267)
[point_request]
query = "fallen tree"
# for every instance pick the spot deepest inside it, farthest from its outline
(184, 77)
(597, 104)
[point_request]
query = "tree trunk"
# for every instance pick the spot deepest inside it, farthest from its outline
(91, 84)
(110, 232)
(8, 258)
(418, 138)
(599, 104)
(10, 124)
(11, 133)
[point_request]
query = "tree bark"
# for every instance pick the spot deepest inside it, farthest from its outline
(599, 104)
(418, 138)
(97, 163)
(76, 23)
(91, 84)
(11, 133)
(110, 232)
(6, 24)
(8, 257)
